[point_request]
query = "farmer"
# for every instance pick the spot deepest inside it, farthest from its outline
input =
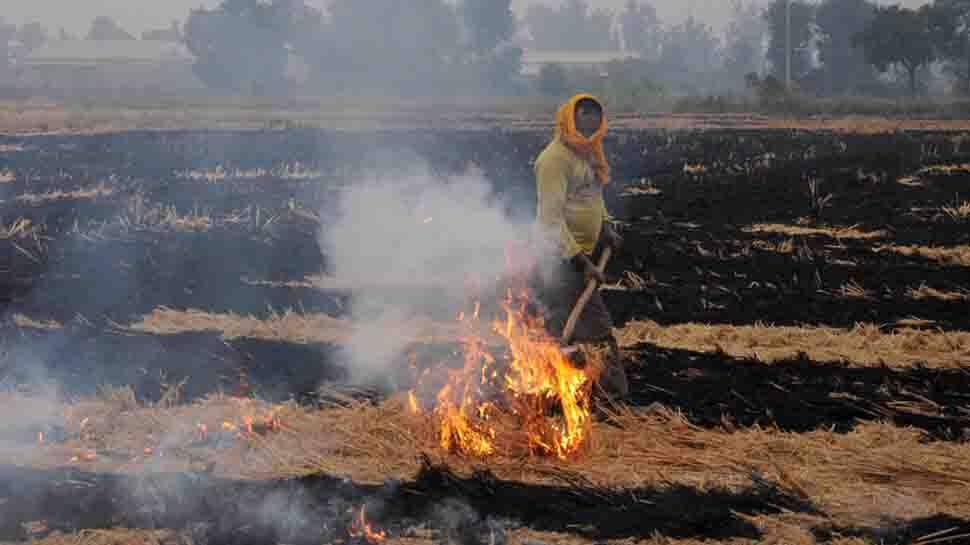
(570, 175)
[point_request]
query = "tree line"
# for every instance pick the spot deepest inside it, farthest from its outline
(855, 46)
(428, 47)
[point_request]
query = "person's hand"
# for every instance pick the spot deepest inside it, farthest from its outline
(589, 269)
(612, 237)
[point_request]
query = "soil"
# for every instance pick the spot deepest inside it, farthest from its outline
(721, 227)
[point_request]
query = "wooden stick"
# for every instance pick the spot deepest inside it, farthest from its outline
(567, 332)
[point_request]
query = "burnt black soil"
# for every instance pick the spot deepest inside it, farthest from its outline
(719, 391)
(218, 511)
(688, 238)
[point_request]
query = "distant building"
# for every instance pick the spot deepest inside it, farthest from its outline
(533, 60)
(110, 64)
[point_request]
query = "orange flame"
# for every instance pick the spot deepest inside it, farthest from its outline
(361, 529)
(540, 378)
(413, 404)
(531, 380)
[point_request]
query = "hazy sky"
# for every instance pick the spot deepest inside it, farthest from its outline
(138, 15)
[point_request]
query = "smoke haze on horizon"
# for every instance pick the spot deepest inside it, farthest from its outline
(138, 15)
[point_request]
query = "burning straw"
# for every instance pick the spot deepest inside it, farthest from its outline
(523, 398)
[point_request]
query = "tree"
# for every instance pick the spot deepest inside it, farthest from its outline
(32, 35)
(488, 23)
(493, 61)
(242, 45)
(745, 36)
(689, 55)
(949, 22)
(105, 28)
(898, 37)
(406, 48)
(572, 26)
(641, 29)
(843, 64)
(802, 32)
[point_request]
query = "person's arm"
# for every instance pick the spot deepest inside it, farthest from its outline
(609, 232)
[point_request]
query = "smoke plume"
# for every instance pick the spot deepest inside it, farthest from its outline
(414, 245)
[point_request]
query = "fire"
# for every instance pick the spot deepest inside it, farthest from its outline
(361, 529)
(541, 377)
(529, 380)
(413, 404)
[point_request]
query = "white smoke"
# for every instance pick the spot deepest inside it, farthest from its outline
(410, 243)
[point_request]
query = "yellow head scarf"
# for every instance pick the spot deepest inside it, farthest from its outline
(590, 149)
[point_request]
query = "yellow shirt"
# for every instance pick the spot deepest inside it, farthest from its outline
(571, 208)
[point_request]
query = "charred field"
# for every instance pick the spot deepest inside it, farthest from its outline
(791, 305)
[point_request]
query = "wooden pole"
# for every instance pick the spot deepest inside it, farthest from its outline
(567, 332)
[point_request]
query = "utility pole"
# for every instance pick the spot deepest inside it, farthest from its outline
(788, 46)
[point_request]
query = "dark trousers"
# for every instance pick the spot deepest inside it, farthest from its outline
(558, 288)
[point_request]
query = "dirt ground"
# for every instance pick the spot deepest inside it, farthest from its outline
(791, 304)
(111, 114)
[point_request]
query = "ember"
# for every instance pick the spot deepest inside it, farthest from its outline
(361, 529)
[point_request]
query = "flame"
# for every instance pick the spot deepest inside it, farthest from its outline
(249, 423)
(540, 378)
(530, 380)
(40, 438)
(361, 529)
(413, 404)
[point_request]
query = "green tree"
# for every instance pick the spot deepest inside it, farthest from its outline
(844, 65)
(898, 37)
(802, 32)
(949, 22)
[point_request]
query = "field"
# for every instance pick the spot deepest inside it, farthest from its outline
(791, 304)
